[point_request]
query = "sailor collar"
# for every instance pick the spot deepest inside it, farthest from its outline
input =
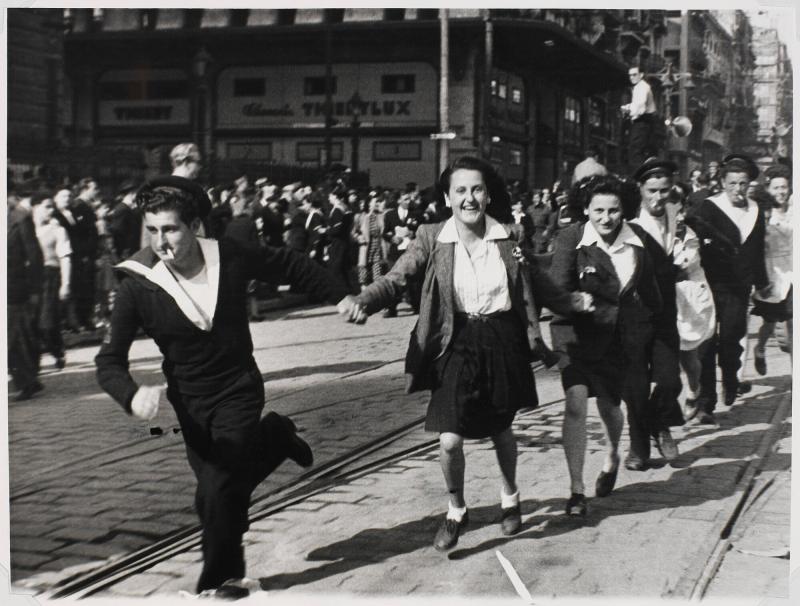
(160, 275)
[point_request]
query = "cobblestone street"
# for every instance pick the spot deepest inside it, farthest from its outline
(89, 483)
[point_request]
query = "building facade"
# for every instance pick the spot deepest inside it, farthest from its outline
(773, 94)
(528, 89)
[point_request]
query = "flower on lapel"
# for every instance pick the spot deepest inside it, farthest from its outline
(589, 269)
(519, 255)
(706, 241)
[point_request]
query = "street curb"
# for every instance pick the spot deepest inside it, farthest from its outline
(693, 587)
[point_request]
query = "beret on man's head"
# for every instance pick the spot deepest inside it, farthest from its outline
(740, 163)
(202, 204)
(653, 166)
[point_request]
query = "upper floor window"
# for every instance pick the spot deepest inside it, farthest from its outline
(249, 87)
(315, 85)
(398, 83)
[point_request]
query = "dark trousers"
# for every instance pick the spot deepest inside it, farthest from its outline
(49, 314)
(725, 347)
(82, 286)
(23, 352)
(230, 451)
(651, 412)
(643, 143)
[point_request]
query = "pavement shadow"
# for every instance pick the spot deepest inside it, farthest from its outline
(640, 497)
(303, 371)
(374, 545)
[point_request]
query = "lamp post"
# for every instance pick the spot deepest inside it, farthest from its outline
(354, 103)
(201, 135)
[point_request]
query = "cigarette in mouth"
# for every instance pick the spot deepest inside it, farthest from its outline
(170, 254)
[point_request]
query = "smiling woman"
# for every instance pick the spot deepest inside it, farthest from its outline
(477, 329)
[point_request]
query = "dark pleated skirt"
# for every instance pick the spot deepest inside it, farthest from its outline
(483, 378)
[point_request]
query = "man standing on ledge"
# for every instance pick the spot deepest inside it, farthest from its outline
(642, 112)
(189, 294)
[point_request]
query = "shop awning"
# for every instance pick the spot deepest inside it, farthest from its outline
(554, 52)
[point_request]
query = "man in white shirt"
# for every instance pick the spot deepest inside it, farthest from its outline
(642, 112)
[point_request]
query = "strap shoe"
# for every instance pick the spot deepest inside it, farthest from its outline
(447, 535)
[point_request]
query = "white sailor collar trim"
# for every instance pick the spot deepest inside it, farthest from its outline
(494, 231)
(160, 275)
(625, 236)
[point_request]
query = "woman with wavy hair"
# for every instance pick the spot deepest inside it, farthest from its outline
(605, 257)
(477, 330)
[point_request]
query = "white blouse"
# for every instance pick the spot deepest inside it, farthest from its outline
(620, 252)
(480, 281)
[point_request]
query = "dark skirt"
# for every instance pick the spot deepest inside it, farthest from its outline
(483, 378)
(774, 312)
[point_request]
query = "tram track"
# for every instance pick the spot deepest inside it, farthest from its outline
(362, 459)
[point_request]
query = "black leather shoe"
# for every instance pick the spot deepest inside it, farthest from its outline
(390, 313)
(297, 449)
(729, 396)
(635, 463)
(760, 361)
(447, 535)
(511, 520)
(231, 591)
(666, 445)
(744, 388)
(576, 505)
(605, 482)
(28, 391)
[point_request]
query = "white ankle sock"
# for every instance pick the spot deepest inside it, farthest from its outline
(456, 513)
(508, 500)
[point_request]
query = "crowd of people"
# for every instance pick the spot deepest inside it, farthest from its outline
(645, 277)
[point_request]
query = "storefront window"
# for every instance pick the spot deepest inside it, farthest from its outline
(312, 151)
(398, 83)
(597, 110)
(250, 151)
(315, 85)
(249, 87)
(516, 96)
(389, 151)
(515, 157)
(572, 121)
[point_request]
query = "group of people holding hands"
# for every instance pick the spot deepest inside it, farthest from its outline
(623, 325)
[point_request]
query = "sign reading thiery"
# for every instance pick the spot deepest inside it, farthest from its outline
(445, 136)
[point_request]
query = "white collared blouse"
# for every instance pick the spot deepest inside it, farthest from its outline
(480, 281)
(620, 252)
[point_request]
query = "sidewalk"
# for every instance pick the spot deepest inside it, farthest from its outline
(651, 538)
